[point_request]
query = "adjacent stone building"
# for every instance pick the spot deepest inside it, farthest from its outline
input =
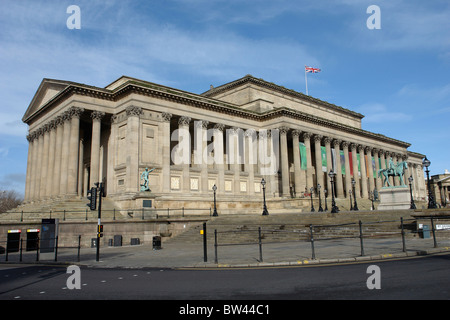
(231, 136)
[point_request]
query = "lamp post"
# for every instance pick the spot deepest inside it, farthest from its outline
(320, 200)
(215, 214)
(431, 203)
(413, 205)
(372, 198)
(351, 203)
(334, 208)
(265, 211)
(310, 193)
(355, 205)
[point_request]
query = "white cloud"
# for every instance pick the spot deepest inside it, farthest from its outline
(377, 113)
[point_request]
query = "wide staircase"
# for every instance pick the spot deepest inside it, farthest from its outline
(232, 229)
(64, 209)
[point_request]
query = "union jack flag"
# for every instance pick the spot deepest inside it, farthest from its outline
(311, 69)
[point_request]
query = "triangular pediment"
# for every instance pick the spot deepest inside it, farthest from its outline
(48, 89)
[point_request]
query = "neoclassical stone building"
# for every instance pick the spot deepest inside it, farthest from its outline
(230, 136)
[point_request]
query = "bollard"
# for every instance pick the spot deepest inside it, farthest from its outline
(361, 238)
(434, 233)
(260, 245)
(37, 249)
(215, 246)
(403, 234)
(21, 249)
(79, 248)
(205, 246)
(56, 248)
(312, 242)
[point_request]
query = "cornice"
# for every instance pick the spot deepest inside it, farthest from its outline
(202, 102)
(272, 86)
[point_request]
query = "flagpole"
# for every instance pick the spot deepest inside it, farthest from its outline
(306, 82)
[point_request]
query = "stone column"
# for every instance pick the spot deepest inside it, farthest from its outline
(273, 140)
(200, 157)
(111, 183)
(327, 141)
(370, 168)
(250, 158)
(72, 186)
(377, 169)
(59, 131)
(132, 157)
(184, 142)
(218, 156)
(355, 170)
(34, 167)
(388, 155)
(362, 157)
(51, 159)
(65, 154)
(233, 156)
(318, 153)
(416, 180)
(95, 146)
(309, 168)
(338, 169)
(38, 170)
(44, 168)
(348, 177)
(166, 151)
(284, 161)
(298, 187)
(80, 168)
(29, 167)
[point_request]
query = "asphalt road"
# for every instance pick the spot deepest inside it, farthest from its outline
(424, 277)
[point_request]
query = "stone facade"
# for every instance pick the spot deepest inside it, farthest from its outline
(231, 136)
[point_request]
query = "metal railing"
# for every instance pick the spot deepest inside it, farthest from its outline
(314, 233)
(33, 248)
(108, 215)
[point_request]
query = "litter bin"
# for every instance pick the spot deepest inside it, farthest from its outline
(426, 231)
(156, 243)
(32, 239)
(13, 240)
(117, 240)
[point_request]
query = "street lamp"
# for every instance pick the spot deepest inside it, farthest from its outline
(310, 193)
(351, 203)
(320, 200)
(334, 208)
(431, 203)
(265, 212)
(413, 205)
(355, 205)
(372, 198)
(215, 214)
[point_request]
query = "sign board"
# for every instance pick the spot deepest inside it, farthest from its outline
(48, 235)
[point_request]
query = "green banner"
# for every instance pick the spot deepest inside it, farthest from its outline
(324, 158)
(342, 162)
(303, 164)
(358, 159)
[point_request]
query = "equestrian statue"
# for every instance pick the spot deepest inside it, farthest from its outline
(392, 171)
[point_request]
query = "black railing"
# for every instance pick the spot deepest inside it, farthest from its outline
(313, 233)
(108, 215)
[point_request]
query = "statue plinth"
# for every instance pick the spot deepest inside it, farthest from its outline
(392, 198)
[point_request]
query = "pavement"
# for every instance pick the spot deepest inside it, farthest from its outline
(176, 255)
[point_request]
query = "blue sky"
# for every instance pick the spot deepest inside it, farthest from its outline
(397, 76)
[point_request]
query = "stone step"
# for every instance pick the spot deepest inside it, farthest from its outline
(291, 227)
